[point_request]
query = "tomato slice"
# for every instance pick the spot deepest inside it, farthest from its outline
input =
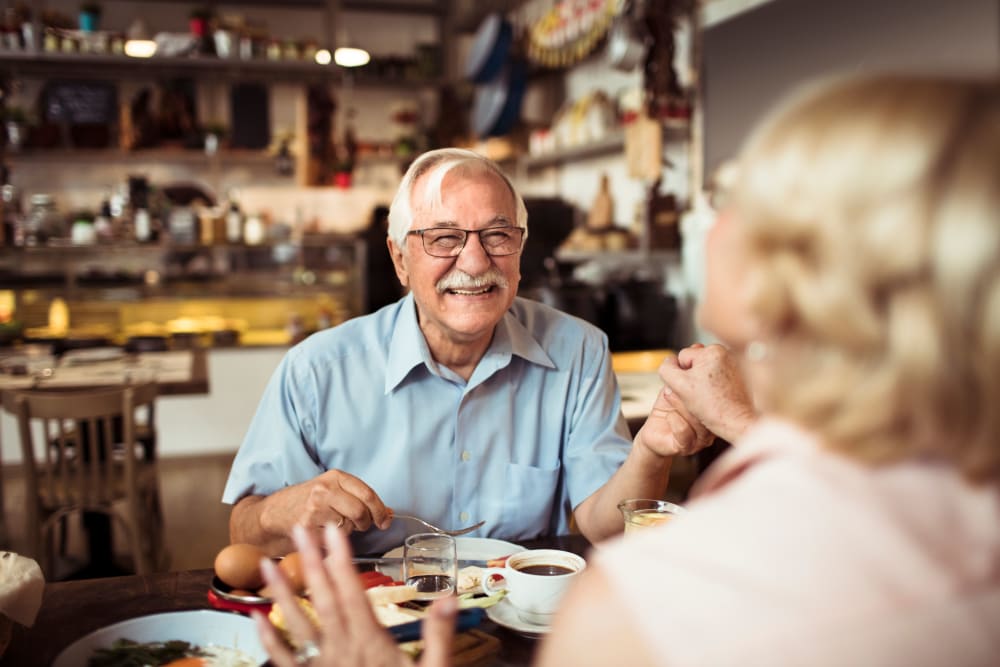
(372, 578)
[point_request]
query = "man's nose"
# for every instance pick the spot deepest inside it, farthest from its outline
(473, 255)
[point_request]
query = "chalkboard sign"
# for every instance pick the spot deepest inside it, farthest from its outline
(80, 102)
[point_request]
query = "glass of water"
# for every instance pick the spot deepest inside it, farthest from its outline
(430, 564)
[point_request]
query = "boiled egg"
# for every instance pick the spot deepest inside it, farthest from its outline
(238, 565)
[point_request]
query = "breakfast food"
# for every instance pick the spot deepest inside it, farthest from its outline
(125, 653)
(238, 566)
(291, 567)
(384, 600)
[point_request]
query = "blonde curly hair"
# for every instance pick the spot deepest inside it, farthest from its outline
(872, 212)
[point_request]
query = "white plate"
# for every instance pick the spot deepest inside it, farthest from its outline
(473, 548)
(200, 627)
(503, 613)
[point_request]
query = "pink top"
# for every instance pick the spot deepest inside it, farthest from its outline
(794, 555)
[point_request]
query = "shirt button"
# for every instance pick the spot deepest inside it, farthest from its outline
(466, 455)
(464, 516)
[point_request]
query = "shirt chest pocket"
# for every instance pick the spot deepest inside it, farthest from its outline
(529, 498)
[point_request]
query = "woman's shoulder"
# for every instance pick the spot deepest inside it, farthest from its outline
(806, 537)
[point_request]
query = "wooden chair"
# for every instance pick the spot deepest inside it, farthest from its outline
(82, 453)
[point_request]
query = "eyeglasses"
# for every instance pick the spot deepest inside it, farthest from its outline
(449, 241)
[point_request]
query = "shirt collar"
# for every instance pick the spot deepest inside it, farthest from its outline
(512, 338)
(408, 348)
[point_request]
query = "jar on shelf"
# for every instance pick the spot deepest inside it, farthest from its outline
(274, 50)
(44, 221)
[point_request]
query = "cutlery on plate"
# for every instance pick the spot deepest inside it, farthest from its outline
(436, 529)
(391, 560)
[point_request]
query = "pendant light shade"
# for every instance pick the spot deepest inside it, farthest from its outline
(347, 56)
(138, 44)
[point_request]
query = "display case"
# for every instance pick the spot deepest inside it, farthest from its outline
(268, 294)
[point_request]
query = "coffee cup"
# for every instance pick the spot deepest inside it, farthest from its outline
(535, 581)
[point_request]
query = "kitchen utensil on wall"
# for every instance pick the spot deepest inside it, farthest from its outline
(644, 147)
(501, 73)
(497, 104)
(628, 40)
(490, 48)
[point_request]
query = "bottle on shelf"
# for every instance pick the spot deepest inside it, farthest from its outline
(234, 223)
(254, 230)
(142, 225)
(12, 215)
(103, 225)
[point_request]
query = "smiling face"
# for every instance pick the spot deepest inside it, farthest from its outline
(459, 299)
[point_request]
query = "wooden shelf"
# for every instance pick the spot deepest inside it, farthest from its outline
(613, 143)
(104, 67)
(608, 145)
(117, 155)
(630, 255)
(95, 66)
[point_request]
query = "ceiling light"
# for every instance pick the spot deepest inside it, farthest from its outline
(323, 57)
(351, 57)
(138, 44)
(140, 48)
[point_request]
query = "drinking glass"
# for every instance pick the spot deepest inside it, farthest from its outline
(430, 564)
(642, 513)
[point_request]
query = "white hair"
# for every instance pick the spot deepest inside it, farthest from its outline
(438, 163)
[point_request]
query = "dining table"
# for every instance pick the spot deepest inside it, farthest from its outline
(72, 609)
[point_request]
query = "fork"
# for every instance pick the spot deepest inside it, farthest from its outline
(436, 529)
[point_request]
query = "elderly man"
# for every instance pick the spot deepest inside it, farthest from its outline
(459, 403)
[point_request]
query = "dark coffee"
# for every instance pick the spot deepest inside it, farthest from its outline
(544, 569)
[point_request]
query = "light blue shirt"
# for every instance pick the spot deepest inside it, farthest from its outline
(536, 429)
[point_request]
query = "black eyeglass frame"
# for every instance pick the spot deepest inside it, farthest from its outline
(465, 232)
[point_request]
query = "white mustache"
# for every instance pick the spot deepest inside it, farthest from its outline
(460, 280)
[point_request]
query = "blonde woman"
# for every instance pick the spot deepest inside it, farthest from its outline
(857, 522)
(857, 270)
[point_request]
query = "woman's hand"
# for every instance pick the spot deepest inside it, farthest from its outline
(708, 382)
(348, 632)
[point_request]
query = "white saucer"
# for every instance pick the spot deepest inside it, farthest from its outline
(473, 548)
(503, 613)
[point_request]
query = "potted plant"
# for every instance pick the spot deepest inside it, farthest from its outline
(90, 16)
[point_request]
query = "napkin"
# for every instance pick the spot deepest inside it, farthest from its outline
(21, 586)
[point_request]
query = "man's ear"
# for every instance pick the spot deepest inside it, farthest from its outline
(398, 262)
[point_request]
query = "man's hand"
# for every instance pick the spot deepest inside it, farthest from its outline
(707, 381)
(671, 429)
(334, 498)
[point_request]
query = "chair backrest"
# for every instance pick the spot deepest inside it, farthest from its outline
(80, 448)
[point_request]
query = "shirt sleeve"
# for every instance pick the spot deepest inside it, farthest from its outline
(278, 448)
(598, 440)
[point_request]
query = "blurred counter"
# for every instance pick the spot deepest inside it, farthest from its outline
(638, 382)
